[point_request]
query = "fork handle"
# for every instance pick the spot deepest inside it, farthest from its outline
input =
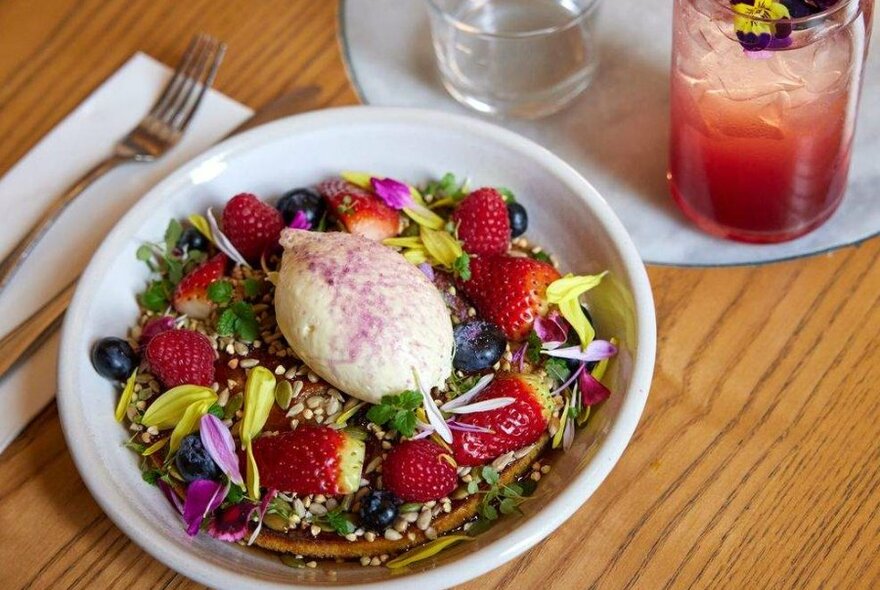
(23, 249)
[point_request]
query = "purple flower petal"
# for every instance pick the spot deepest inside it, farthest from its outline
(592, 391)
(552, 330)
(483, 406)
(570, 380)
(155, 327)
(218, 442)
(231, 523)
(203, 496)
(394, 193)
(300, 221)
(471, 393)
(170, 495)
(261, 513)
(428, 270)
(595, 351)
(519, 357)
(455, 425)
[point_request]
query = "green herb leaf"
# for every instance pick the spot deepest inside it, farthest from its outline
(410, 400)
(404, 422)
(398, 411)
(507, 194)
(473, 486)
(157, 296)
(252, 288)
(507, 506)
(220, 292)
(533, 354)
(216, 410)
(488, 511)
(542, 256)
(381, 414)
(340, 523)
(489, 475)
(136, 447)
(144, 253)
(234, 495)
(557, 369)
(239, 320)
(226, 323)
(173, 268)
(172, 234)
(151, 476)
(462, 267)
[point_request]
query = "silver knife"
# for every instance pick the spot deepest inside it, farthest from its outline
(25, 338)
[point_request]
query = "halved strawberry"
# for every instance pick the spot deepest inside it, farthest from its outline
(509, 291)
(513, 427)
(361, 212)
(191, 294)
(310, 460)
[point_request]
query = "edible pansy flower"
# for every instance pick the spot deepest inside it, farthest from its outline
(218, 442)
(300, 221)
(755, 29)
(203, 496)
(393, 193)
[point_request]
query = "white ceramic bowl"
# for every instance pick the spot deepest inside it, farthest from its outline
(567, 216)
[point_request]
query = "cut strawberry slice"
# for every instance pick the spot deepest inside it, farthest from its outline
(361, 212)
(509, 291)
(310, 460)
(513, 427)
(191, 294)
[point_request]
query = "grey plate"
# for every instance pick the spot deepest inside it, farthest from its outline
(616, 133)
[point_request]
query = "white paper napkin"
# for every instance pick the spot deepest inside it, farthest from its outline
(82, 139)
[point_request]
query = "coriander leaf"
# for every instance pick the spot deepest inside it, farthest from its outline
(380, 414)
(151, 476)
(404, 422)
(172, 234)
(252, 288)
(220, 292)
(489, 475)
(462, 267)
(557, 369)
(339, 522)
(409, 400)
(226, 323)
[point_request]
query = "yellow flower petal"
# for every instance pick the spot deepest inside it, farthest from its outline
(416, 255)
(259, 395)
(572, 311)
(427, 550)
(253, 474)
(563, 420)
(441, 246)
(572, 286)
(424, 216)
(408, 242)
(344, 416)
(169, 407)
(189, 422)
(200, 223)
(156, 446)
(361, 179)
(125, 397)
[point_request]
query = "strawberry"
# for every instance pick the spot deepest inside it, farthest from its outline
(181, 357)
(417, 471)
(191, 294)
(310, 460)
(483, 223)
(252, 226)
(509, 291)
(514, 426)
(359, 211)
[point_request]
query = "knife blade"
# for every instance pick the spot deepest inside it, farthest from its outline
(26, 338)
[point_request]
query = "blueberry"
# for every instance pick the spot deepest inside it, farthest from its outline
(192, 239)
(193, 461)
(114, 358)
(519, 219)
(478, 345)
(302, 199)
(378, 510)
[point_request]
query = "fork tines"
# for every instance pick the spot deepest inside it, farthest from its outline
(194, 75)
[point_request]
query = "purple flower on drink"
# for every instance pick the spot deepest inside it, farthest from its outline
(754, 27)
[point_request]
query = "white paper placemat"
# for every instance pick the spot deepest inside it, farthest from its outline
(616, 134)
(86, 136)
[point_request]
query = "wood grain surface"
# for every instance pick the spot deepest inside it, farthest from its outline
(757, 461)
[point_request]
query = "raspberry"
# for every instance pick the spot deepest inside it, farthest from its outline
(181, 357)
(483, 222)
(415, 471)
(252, 226)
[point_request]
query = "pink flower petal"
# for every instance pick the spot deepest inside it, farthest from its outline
(455, 425)
(592, 391)
(218, 442)
(597, 350)
(570, 380)
(300, 221)
(552, 330)
(261, 513)
(428, 270)
(394, 193)
(170, 495)
(470, 394)
(203, 496)
(483, 406)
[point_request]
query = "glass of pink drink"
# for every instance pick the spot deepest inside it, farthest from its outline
(763, 112)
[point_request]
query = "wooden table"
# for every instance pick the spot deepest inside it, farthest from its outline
(757, 462)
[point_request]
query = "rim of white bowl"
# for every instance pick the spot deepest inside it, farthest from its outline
(471, 565)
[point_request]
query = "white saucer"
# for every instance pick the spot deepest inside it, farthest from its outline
(616, 132)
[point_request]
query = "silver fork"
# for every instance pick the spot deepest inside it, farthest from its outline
(157, 133)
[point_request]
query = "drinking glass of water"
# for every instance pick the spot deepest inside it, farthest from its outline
(522, 58)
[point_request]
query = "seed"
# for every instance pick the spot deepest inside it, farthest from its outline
(502, 461)
(248, 363)
(315, 530)
(318, 509)
(400, 525)
(312, 564)
(386, 444)
(365, 561)
(230, 349)
(331, 503)
(536, 476)
(312, 377)
(298, 507)
(460, 494)
(153, 430)
(370, 536)
(332, 406)
(141, 405)
(545, 469)
(283, 394)
(431, 533)
(275, 522)
(313, 402)
(424, 520)
(431, 504)
(291, 373)
(295, 409)
(308, 414)
(146, 437)
(392, 535)
(294, 423)
(373, 464)
(297, 388)
(240, 349)
(223, 397)
(375, 561)
(319, 498)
